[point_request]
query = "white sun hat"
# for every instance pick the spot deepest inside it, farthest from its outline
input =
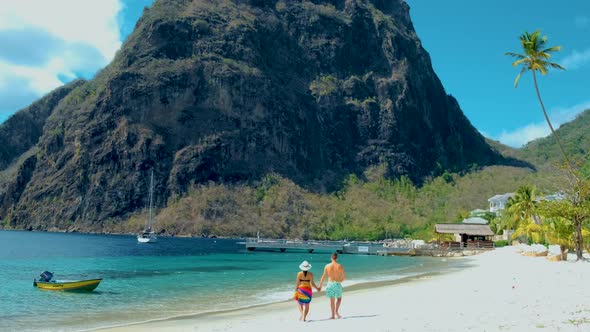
(305, 266)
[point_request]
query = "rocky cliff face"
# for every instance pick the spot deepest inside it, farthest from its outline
(22, 130)
(230, 90)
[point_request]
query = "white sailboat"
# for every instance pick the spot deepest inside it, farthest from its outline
(148, 235)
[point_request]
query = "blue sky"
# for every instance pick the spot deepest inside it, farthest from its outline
(44, 44)
(42, 48)
(467, 40)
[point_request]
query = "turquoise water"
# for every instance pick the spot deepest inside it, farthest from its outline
(173, 277)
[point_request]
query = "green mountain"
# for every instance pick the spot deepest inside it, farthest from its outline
(575, 137)
(544, 153)
(226, 92)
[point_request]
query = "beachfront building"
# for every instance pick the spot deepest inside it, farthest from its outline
(498, 202)
(555, 197)
(478, 213)
(475, 221)
(466, 235)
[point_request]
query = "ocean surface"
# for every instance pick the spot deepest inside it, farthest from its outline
(170, 278)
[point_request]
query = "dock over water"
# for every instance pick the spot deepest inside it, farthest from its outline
(313, 246)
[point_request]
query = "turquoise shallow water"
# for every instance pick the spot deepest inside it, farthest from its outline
(174, 277)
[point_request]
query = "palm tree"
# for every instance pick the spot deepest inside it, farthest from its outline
(536, 58)
(574, 213)
(522, 214)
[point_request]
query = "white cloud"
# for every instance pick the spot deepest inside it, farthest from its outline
(83, 21)
(77, 36)
(558, 116)
(576, 59)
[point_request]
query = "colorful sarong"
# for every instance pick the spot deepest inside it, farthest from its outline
(334, 289)
(303, 294)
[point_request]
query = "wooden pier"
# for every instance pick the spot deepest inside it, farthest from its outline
(295, 245)
(341, 247)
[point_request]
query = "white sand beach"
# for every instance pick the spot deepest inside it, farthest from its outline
(503, 291)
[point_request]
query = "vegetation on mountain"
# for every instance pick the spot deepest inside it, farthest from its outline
(367, 207)
(545, 152)
(215, 95)
(22, 130)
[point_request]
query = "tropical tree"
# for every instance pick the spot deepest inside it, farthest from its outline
(560, 231)
(521, 210)
(575, 209)
(536, 59)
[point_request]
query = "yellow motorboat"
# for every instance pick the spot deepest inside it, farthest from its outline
(75, 285)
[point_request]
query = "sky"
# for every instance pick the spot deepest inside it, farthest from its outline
(44, 44)
(467, 40)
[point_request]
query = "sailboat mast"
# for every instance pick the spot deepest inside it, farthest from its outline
(151, 199)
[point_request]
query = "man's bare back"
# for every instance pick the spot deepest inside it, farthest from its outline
(336, 276)
(335, 272)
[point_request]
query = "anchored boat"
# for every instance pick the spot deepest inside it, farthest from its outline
(46, 283)
(148, 235)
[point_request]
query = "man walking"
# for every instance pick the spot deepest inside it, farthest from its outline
(336, 276)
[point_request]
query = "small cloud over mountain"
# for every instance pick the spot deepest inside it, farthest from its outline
(558, 116)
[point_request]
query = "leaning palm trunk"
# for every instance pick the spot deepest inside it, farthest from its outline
(537, 57)
(567, 160)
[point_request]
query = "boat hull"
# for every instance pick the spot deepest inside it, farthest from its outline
(80, 285)
(147, 239)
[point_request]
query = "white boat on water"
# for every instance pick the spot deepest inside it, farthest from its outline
(148, 235)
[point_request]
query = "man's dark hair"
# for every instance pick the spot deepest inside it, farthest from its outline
(335, 256)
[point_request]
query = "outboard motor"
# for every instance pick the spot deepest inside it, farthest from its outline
(46, 276)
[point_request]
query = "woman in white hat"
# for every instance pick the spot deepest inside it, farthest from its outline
(303, 290)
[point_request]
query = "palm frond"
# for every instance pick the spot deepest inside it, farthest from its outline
(551, 49)
(535, 56)
(542, 70)
(520, 61)
(555, 65)
(516, 55)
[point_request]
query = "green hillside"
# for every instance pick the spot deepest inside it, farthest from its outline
(372, 207)
(574, 136)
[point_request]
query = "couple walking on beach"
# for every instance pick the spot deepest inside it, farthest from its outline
(303, 291)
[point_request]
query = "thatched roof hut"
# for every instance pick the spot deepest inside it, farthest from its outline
(470, 236)
(467, 229)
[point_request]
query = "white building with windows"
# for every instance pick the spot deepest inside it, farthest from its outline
(555, 197)
(498, 202)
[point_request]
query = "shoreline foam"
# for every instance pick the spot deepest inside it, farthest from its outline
(350, 287)
(503, 291)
